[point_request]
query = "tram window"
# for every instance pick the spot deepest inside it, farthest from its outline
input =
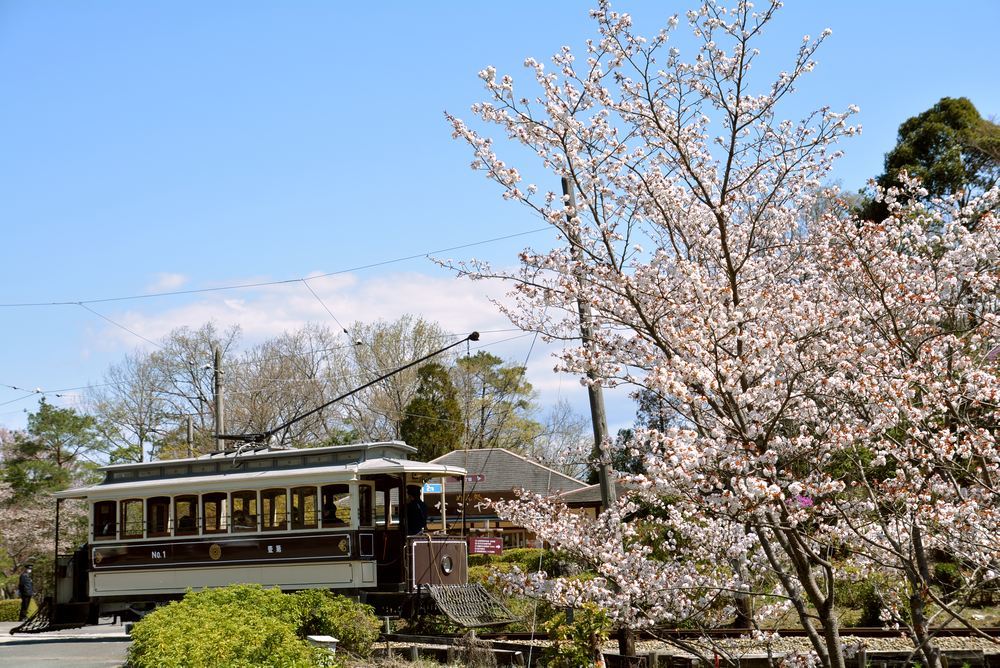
(213, 512)
(365, 517)
(157, 516)
(185, 513)
(105, 520)
(132, 518)
(336, 506)
(387, 507)
(273, 509)
(394, 506)
(244, 511)
(304, 515)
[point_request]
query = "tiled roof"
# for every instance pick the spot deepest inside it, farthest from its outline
(504, 471)
(590, 495)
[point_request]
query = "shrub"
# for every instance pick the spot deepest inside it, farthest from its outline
(576, 643)
(353, 624)
(527, 560)
(948, 577)
(229, 636)
(246, 625)
(11, 608)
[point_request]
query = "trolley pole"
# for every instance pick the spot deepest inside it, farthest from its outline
(220, 411)
(598, 417)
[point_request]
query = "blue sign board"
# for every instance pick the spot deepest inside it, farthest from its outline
(432, 488)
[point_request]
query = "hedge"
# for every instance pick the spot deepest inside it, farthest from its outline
(11, 608)
(246, 625)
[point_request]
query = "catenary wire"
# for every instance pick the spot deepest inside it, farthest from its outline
(243, 286)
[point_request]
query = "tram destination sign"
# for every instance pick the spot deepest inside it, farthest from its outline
(226, 550)
(484, 545)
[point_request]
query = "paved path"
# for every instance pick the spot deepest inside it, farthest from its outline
(101, 646)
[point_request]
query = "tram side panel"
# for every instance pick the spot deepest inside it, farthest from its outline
(332, 561)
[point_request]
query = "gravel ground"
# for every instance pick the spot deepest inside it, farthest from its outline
(742, 647)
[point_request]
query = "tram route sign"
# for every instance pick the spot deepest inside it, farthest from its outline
(432, 488)
(485, 545)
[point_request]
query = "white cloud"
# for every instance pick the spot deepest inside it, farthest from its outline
(459, 306)
(165, 282)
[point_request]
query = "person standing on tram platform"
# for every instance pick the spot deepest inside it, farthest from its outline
(25, 589)
(416, 511)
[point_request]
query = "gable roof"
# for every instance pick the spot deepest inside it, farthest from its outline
(504, 471)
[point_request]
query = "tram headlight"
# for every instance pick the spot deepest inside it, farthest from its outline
(447, 565)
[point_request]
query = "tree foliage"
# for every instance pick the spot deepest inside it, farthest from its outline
(497, 402)
(433, 419)
(950, 148)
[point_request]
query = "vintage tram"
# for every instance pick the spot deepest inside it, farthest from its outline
(330, 517)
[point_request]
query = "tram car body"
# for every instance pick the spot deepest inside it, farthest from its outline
(331, 518)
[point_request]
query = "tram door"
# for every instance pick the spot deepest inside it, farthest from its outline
(389, 538)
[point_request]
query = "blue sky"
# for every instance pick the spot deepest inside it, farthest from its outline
(162, 145)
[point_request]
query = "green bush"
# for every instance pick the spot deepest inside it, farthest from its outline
(11, 608)
(353, 624)
(246, 625)
(576, 643)
(948, 577)
(230, 636)
(527, 559)
(864, 595)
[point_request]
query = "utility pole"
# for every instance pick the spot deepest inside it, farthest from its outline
(220, 412)
(626, 637)
(190, 436)
(598, 417)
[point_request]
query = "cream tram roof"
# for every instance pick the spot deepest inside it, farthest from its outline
(224, 472)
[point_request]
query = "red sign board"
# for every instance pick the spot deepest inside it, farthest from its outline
(482, 545)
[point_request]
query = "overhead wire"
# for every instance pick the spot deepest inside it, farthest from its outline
(118, 325)
(261, 284)
(305, 282)
(61, 392)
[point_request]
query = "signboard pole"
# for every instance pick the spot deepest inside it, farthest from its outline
(444, 508)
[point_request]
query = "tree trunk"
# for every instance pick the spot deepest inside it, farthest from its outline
(919, 580)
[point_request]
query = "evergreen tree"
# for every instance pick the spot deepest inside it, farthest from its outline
(432, 422)
(952, 150)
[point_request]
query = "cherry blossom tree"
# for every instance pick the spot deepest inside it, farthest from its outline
(795, 354)
(918, 430)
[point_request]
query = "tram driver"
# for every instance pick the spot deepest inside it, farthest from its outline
(416, 511)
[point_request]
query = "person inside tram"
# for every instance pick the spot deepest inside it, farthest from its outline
(242, 521)
(186, 523)
(330, 518)
(416, 511)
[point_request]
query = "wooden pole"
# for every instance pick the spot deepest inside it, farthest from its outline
(220, 411)
(598, 417)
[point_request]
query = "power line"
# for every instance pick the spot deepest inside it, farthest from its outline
(305, 282)
(61, 392)
(243, 286)
(118, 325)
